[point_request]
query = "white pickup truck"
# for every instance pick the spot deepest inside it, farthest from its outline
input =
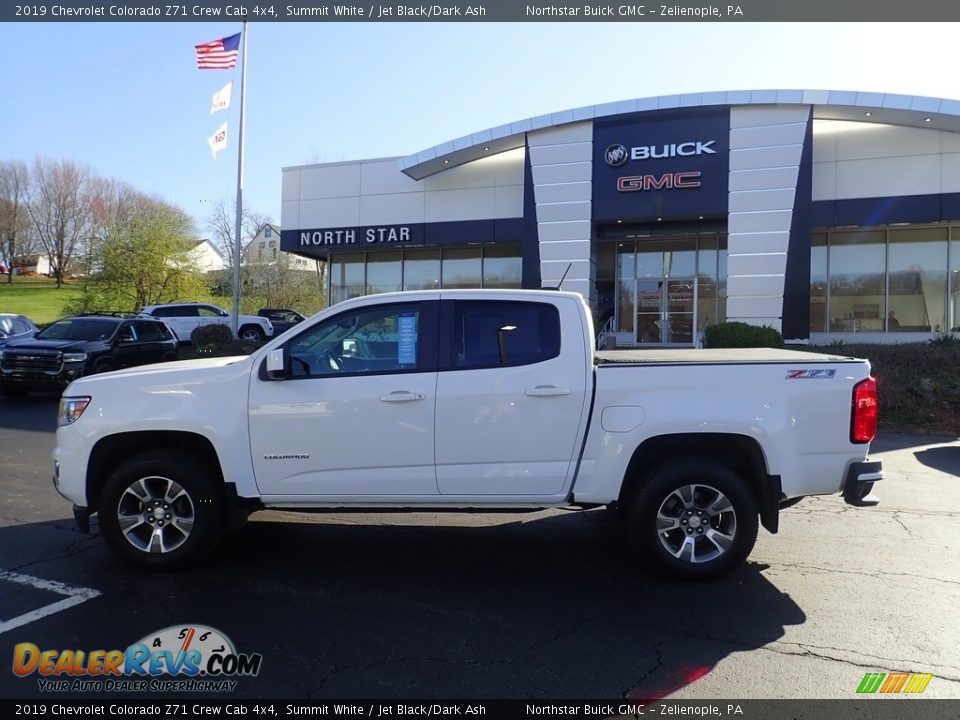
(466, 399)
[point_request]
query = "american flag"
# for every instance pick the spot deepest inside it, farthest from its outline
(218, 54)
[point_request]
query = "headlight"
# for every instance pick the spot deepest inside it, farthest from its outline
(71, 408)
(74, 357)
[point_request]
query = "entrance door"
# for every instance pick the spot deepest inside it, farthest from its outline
(665, 311)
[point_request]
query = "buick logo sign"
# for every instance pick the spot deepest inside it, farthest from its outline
(616, 155)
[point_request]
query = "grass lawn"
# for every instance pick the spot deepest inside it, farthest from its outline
(36, 297)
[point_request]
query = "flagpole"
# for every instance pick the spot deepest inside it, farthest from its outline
(235, 319)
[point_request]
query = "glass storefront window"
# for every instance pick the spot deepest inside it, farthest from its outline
(722, 282)
(897, 279)
(917, 280)
(346, 277)
(606, 283)
(707, 283)
(649, 261)
(502, 267)
(461, 268)
(857, 267)
(626, 272)
(954, 306)
(818, 282)
(680, 261)
(421, 270)
(383, 272)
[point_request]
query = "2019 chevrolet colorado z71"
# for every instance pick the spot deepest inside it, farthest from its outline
(466, 399)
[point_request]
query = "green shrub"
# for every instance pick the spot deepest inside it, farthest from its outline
(742, 335)
(946, 340)
(918, 384)
(214, 334)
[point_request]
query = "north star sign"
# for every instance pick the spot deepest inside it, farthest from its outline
(350, 236)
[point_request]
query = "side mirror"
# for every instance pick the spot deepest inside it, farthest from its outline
(125, 339)
(276, 365)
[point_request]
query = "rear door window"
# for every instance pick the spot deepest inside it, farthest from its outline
(148, 331)
(503, 333)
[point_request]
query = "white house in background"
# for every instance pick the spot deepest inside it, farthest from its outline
(32, 264)
(265, 248)
(206, 256)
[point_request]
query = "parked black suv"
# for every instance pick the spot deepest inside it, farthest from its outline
(281, 318)
(83, 345)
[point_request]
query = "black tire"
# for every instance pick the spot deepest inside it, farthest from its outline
(251, 333)
(201, 501)
(690, 551)
(102, 365)
(14, 393)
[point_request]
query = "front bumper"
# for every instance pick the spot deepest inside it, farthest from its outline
(40, 382)
(858, 485)
(81, 515)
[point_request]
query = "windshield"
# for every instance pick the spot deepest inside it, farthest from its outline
(6, 327)
(85, 329)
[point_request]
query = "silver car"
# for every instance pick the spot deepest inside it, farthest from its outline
(15, 327)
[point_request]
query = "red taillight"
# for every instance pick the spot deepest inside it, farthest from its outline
(863, 425)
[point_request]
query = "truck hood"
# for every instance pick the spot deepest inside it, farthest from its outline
(32, 344)
(163, 374)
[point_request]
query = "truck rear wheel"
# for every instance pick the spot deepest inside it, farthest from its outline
(694, 519)
(161, 513)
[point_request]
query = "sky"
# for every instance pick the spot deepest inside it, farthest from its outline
(127, 99)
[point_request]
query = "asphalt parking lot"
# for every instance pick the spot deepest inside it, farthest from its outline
(544, 605)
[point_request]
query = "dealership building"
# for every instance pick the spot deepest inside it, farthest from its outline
(827, 215)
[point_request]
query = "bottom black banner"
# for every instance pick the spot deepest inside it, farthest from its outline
(870, 708)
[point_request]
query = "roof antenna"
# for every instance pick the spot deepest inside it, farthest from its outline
(562, 278)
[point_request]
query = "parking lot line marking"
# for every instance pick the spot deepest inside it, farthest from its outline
(75, 596)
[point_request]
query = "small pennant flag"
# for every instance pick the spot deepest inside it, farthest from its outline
(218, 141)
(218, 54)
(221, 98)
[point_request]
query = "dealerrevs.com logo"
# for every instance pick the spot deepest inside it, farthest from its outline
(178, 658)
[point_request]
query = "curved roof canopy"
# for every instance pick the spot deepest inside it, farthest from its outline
(884, 108)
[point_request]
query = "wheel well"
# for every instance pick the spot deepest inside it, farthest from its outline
(112, 450)
(740, 453)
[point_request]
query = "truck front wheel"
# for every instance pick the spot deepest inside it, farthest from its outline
(161, 512)
(694, 519)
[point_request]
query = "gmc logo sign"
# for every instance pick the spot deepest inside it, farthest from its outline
(669, 181)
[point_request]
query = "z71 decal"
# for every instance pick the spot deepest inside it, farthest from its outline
(811, 374)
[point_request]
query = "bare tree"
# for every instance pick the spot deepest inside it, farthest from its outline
(61, 199)
(14, 220)
(222, 227)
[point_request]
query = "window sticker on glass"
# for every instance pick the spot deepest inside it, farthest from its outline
(407, 339)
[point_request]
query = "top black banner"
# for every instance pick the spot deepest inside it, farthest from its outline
(481, 11)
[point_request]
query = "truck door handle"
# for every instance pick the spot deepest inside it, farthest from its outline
(546, 391)
(401, 396)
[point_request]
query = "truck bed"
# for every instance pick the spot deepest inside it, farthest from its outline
(715, 356)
